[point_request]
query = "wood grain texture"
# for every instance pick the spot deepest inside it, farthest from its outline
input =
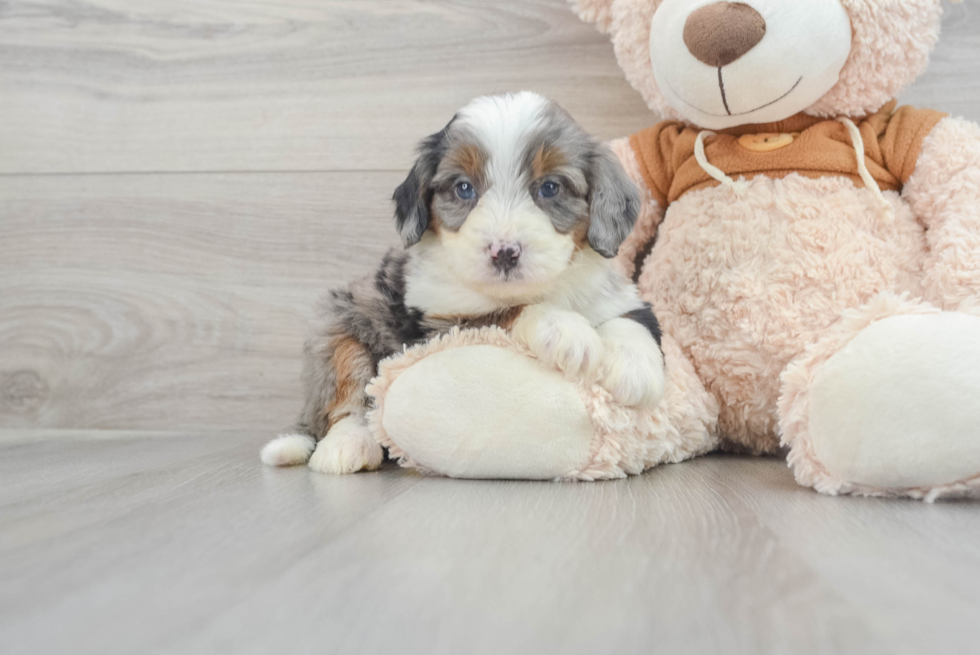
(185, 544)
(952, 81)
(173, 301)
(220, 85)
(168, 301)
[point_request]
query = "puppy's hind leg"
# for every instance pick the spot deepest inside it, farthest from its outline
(333, 436)
(338, 370)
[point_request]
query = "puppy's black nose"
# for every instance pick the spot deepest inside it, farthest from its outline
(505, 256)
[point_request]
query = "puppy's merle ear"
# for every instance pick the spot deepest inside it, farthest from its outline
(614, 203)
(414, 195)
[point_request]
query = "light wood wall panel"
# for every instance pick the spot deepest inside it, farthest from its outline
(179, 180)
(221, 85)
(218, 85)
(172, 301)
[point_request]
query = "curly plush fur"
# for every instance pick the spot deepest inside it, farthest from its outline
(619, 444)
(777, 291)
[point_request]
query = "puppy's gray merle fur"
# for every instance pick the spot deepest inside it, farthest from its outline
(509, 217)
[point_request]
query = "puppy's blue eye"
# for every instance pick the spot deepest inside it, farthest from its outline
(465, 191)
(549, 190)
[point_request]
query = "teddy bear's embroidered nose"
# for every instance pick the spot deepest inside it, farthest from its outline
(722, 32)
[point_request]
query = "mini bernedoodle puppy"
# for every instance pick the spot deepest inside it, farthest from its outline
(509, 218)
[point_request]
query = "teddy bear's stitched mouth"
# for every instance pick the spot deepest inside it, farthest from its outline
(721, 86)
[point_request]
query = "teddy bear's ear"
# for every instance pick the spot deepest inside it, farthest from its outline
(598, 12)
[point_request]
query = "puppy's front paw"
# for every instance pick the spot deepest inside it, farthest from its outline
(633, 365)
(347, 448)
(560, 338)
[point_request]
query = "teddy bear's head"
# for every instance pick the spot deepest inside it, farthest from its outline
(723, 64)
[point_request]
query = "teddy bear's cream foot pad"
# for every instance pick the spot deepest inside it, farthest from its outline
(899, 406)
(481, 411)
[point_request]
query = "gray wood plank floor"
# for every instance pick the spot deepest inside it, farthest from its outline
(180, 543)
(179, 181)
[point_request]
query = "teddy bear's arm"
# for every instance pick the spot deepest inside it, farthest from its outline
(598, 12)
(944, 193)
(637, 245)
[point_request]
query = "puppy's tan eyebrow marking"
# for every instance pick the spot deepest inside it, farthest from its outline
(546, 160)
(470, 159)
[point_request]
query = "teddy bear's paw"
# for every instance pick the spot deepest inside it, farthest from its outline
(348, 447)
(633, 365)
(561, 338)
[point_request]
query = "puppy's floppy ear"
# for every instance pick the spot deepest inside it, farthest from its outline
(614, 203)
(413, 196)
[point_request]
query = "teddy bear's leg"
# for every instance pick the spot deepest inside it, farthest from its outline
(473, 404)
(887, 403)
(684, 422)
(944, 193)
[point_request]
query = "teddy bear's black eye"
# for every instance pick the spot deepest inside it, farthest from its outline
(465, 191)
(549, 190)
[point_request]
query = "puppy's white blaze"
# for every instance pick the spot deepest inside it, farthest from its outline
(633, 365)
(502, 123)
(506, 213)
(288, 450)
